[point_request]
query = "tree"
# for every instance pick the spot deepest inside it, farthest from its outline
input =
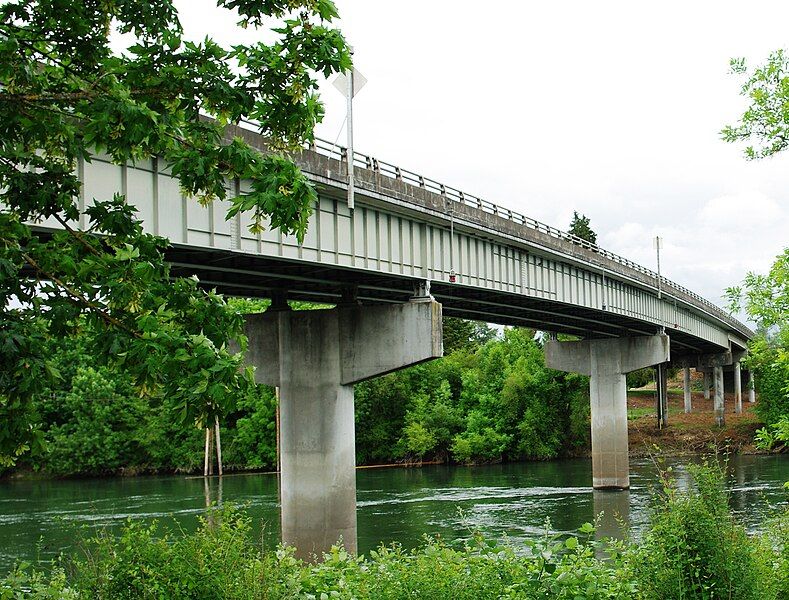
(765, 122)
(765, 299)
(65, 96)
(579, 227)
(465, 334)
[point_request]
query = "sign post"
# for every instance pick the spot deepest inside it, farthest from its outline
(349, 84)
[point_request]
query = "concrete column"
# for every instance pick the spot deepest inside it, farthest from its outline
(661, 385)
(315, 357)
(737, 388)
(751, 387)
(718, 403)
(686, 389)
(706, 384)
(606, 362)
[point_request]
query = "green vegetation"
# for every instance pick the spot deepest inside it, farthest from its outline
(766, 120)
(766, 300)
(692, 549)
(695, 549)
(66, 96)
(579, 226)
(764, 126)
(490, 400)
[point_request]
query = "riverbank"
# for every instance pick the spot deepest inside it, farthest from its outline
(691, 433)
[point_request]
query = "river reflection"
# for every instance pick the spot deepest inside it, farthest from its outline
(43, 518)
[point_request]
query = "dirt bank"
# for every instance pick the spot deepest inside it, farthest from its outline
(689, 433)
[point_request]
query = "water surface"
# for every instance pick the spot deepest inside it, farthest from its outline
(40, 519)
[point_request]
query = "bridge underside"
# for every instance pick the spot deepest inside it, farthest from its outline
(247, 275)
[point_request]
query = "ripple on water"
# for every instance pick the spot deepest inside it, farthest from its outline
(467, 494)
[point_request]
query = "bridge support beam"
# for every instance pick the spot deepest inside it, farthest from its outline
(706, 384)
(606, 362)
(315, 357)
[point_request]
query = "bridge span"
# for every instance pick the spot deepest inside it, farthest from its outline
(410, 249)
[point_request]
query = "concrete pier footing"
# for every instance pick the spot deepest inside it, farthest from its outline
(315, 357)
(718, 405)
(606, 362)
(686, 390)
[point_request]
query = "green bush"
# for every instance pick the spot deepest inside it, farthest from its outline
(772, 383)
(100, 418)
(491, 400)
(219, 561)
(640, 378)
(695, 549)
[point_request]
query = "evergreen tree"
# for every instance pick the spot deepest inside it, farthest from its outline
(579, 227)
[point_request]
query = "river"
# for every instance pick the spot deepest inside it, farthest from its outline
(40, 519)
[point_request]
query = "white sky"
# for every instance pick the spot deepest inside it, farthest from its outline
(609, 108)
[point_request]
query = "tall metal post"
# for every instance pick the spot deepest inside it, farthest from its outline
(349, 100)
(658, 245)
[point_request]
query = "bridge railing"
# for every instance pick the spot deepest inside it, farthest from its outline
(365, 161)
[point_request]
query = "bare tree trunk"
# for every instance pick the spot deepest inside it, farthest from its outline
(210, 454)
(207, 448)
(218, 446)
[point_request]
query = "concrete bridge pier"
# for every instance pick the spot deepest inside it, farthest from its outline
(607, 361)
(661, 387)
(686, 389)
(718, 404)
(713, 364)
(706, 384)
(315, 357)
(737, 387)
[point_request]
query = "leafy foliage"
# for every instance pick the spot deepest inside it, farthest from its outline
(765, 122)
(497, 403)
(692, 549)
(487, 403)
(66, 96)
(579, 226)
(695, 549)
(465, 334)
(765, 299)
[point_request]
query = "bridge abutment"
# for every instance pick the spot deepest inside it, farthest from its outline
(606, 361)
(315, 357)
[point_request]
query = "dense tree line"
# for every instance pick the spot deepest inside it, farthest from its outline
(490, 399)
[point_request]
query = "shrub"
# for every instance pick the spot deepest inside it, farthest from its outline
(694, 548)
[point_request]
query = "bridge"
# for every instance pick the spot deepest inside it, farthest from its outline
(410, 250)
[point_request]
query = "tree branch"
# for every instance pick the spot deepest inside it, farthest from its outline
(108, 318)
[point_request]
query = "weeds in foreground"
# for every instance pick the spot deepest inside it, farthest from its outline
(693, 548)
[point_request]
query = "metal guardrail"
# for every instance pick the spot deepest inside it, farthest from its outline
(331, 150)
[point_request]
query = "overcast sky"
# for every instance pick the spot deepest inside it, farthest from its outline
(612, 109)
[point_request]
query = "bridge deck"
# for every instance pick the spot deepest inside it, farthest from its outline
(484, 262)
